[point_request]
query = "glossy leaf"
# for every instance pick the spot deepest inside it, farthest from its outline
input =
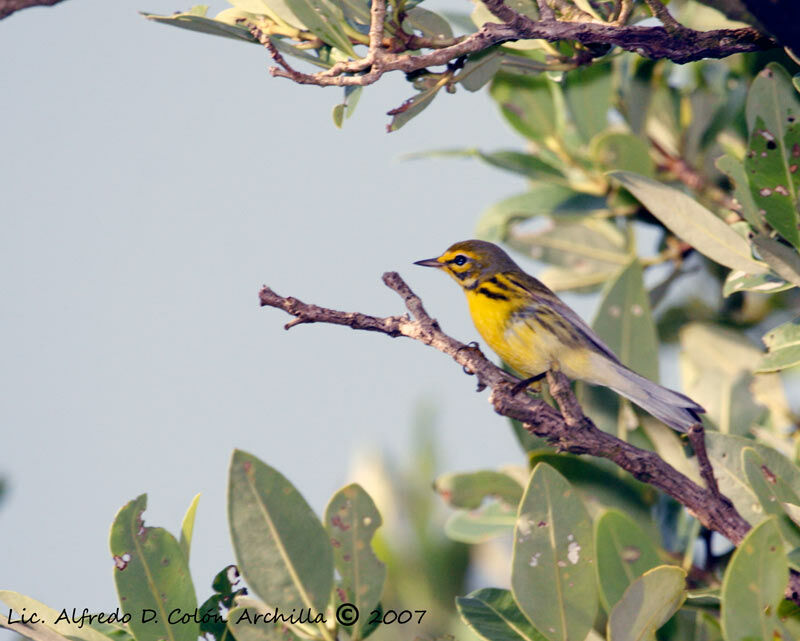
(65, 629)
(783, 345)
(587, 92)
(351, 520)
(527, 104)
(542, 199)
(771, 491)
(753, 585)
(773, 157)
(767, 283)
(493, 615)
(282, 550)
(624, 552)
(616, 150)
(784, 260)
(151, 573)
(324, 19)
(553, 564)
(487, 522)
(625, 321)
(647, 604)
(187, 526)
(691, 222)
(735, 171)
(468, 490)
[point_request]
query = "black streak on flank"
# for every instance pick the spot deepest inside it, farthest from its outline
(490, 294)
(493, 280)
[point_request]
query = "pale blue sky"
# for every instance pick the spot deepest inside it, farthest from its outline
(151, 180)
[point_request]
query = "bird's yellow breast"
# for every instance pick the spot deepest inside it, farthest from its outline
(514, 333)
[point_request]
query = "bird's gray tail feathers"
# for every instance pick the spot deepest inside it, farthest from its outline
(676, 410)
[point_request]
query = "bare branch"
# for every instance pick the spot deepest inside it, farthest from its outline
(7, 7)
(569, 430)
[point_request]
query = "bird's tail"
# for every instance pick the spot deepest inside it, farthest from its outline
(676, 410)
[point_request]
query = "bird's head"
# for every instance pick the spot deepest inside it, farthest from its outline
(470, 262)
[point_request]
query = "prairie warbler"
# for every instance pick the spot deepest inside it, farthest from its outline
(532, 330)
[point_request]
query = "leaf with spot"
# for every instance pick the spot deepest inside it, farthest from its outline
(46, 628)
(493, 615)
(527, 104)
(468, 490)
(351, 520)
(737, 174)
(553, 565)
(624, 552)
(151, 572)
(753, 585)
(725, 454)
(783, 347)
(772, 491)
(647, 604)
(489, 521)
(691, 222)
(773, 156)
(281, 548)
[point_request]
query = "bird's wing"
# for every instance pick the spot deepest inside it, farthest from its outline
(544, 296)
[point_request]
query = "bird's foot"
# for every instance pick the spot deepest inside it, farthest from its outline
(524, 384)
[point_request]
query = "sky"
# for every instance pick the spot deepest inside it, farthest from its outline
(151, 180)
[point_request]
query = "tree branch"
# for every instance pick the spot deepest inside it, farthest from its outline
(569, 430)
(7, 7)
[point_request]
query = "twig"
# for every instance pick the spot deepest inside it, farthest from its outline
(697, 438)
(7, 7)
(661, 12)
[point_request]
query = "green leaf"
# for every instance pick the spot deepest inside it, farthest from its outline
(338, 115)
(783, 259)
(553, 575)
(772, 492)
(753, 585)
(468, 490)
(301, 54)
(542, 199)
(691, 222)
(587, 92)
(64, 629)
(624, 552)
(351, 520)
(412, 107)
(487, 522)
(767, 283)
(647, 604)
(493, 615)
(281, 548)
(625, 321)
(430, 24)
(521, 163)
(480, 69)
(277, 10)
(527, 104)
(783, 345)
(187, 526)
(324, 19)
(735, 171)
(151, 574)
(773, 157)
(194, 21)
(227, 587)
(725, 454)
(615, 150)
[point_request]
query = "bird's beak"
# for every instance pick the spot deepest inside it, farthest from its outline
(429, 262)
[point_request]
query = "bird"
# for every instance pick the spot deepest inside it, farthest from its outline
(534, 331)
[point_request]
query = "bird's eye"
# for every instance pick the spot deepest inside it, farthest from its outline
(460, 259)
